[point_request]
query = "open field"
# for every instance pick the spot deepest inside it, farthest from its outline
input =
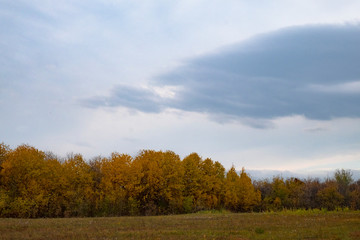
(284, 225)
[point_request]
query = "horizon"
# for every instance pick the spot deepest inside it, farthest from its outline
(254, 174)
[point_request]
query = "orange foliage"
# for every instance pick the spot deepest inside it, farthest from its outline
(38, 184)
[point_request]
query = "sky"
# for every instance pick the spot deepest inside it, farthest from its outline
(255, 84)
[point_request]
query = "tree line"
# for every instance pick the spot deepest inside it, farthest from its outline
(35, 184)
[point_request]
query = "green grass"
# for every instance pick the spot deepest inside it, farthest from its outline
(284, 225)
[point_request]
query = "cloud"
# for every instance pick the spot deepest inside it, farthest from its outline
(344, 88)
(315, 129)
(311, 71)
(137, 98)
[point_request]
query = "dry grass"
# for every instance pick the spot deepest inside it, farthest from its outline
(286, 225)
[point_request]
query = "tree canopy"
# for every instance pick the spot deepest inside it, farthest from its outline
(38, 184)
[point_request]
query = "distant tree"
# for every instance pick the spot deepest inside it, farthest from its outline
(309, 198)
(344, 179)
(265, 188)
(329, 196)
(355, 195)
(4, 150)
(280, 193)
(296, 191)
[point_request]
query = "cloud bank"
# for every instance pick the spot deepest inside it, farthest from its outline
(313, 71)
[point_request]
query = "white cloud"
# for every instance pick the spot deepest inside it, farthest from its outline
(343, 88)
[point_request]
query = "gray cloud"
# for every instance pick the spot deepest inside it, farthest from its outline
(293, 71)
(130, 97)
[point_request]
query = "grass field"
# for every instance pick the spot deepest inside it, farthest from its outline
(284, 225)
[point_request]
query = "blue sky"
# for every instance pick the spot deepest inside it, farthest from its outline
(264, 85)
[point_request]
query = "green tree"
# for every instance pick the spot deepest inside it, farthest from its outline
(344, 179)
(280, 193)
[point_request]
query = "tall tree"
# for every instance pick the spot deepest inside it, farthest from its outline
(150, 181)
(231, 198)
(171, 198)
(249, 197)
(240, 193)
(193, 176)
(212, 184)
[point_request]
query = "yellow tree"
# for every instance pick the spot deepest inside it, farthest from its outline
(115, 183)
(4, 197)
(296, 189)
(231, 199)
(193, 176)
(4, 150)
(212, 183)
(25, 178)
(240, 194)
(95, 165)
(78, 180)
(171, 198)
(248, 196)
(158, 178)
(54, 185)
(149, 181)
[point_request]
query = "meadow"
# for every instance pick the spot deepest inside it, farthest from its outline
(204, 225)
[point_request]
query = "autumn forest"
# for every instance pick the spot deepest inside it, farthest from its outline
(36, 184)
